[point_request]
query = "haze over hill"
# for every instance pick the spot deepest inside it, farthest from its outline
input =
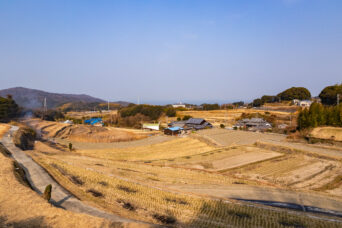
(32, 98)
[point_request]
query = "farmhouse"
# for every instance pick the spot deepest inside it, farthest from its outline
(192, 124)
(173, 131)
(303, 103)
(151, 126)
(253, 124)
(197, 124)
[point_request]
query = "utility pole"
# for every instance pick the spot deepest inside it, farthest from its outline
(44, 109)
(338, 99)
(226, 114)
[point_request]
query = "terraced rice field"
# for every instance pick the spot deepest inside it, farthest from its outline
(222, 159)
(298, 171)
(82, 133)
(230, 137)
(107, 187)
(166, 150)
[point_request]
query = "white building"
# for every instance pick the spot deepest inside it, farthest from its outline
(151, 126)
(305, 103)
(179, 105)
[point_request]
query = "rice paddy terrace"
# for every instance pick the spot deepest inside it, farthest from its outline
(188, 182)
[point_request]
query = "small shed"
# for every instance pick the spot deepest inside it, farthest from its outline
(173, 131)
(151, 126)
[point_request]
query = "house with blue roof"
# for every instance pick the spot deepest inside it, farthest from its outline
(94, 121)
(173, 131)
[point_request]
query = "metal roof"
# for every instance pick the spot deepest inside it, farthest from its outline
(194, 121)
(175, 128)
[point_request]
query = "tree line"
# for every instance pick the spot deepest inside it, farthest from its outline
(8, 109)
(328, 95)
(320, 115)
(290, 94)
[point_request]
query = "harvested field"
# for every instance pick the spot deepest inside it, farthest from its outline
(330, 133)
(170, 149)
(298, 171)
(222, 159)
(228, 117)
(82, 133)
(231, 137)
(149, 203)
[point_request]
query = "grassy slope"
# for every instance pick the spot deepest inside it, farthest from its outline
(22, 206)
(327, 133)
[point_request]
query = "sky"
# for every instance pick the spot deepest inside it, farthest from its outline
(162, 51)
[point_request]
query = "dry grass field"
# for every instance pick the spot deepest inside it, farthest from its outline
(22, 207)
(80, 115)
(166, 150)
(228, 117)
(334, 133)
(139, 190)
(82, 133)
(221, 159)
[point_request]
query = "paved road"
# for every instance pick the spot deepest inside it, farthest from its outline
(39, 179)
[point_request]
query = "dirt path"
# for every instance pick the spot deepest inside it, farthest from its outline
(39, 179)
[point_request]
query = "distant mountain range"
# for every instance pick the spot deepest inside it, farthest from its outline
(32, 98)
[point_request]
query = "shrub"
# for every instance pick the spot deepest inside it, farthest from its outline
(47, 192)
(165, 219)
(126, 189)
(170, 111)
(257, 102)
(222, 126)
(103, 183)
(95, 193)
(70, 146)
(24, 138)
(76, 180)
(186, 117)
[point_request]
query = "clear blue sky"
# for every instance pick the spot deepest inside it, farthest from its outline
(167, 51)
